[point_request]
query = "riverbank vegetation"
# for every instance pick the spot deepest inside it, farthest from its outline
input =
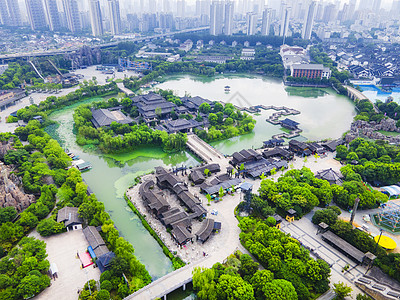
(42, 163)
(375, 162)
(366, 111)
(225, 120)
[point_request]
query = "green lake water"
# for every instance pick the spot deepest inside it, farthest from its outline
(323, 114)
(109, 179)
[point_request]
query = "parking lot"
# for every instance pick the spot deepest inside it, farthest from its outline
(62, 250)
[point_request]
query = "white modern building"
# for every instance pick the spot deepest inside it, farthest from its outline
(228, 22)
(251, 22)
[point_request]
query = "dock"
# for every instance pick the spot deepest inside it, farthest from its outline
(290, 135)
(82, 165)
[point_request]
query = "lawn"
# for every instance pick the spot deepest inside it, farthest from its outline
(389, 133)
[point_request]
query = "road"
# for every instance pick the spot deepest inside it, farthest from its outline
(72, 50)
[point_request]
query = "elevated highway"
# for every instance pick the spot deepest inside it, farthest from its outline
(74, 50)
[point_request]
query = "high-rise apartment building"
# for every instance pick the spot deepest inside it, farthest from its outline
(53, 16)
(251, 21)
(266, 21)
(228, 22)
(96, 19)
(216, 17)
(329, 13)
(309, 21)
(395, 10)
(9, 13)
(36, 15)
(72, 15)
(376, 6)
(4, 16)
(285, 22)
(181, 8)
(115, 16)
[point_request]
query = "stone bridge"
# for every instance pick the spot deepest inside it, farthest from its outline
(356, 96)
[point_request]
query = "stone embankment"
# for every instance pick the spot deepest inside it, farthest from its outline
(370, 130)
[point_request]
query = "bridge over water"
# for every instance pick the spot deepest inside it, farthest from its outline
(356, 96)
(204, 150)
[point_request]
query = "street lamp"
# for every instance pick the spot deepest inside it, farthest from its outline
(377, 242)
(86, 273)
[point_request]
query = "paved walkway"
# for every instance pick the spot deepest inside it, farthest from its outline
(61, 250)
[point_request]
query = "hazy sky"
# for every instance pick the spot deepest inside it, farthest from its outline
(125, 3)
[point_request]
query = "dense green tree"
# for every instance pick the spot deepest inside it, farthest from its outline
(328, 216)
(48, 227)
(7, 214)
(248, 267)
(234, 287)
(341, 290)
(204, 284)
(279, 289)
(205, 108)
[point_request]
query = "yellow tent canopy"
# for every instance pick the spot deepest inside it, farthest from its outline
(386, 242)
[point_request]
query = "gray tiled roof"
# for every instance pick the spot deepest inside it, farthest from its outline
(69, 215)
(104, 117)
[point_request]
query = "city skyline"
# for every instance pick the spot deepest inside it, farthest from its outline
(249, 17)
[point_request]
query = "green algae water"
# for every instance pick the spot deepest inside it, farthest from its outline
(323, 113)
(112, 175)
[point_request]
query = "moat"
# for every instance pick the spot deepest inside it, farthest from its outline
(112, 175)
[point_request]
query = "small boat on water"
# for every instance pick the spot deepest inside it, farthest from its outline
(73, 156)
(227, 88)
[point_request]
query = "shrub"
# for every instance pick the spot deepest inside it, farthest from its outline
(106, 285)
(270, 221)
(11, 119)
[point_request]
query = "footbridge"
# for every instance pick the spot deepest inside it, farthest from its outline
(161, 287)
(203, 150)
